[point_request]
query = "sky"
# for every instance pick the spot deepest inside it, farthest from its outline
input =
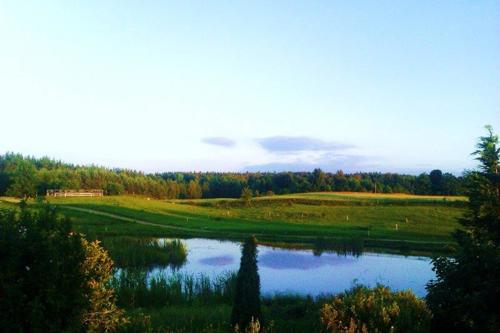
(390, 86)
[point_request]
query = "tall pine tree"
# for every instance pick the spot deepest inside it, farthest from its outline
(465, 295)
(247, 295)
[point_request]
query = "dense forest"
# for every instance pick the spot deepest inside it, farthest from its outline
(29, 176)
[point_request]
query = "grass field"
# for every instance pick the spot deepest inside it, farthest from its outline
(380, 220)
(422, 223)
(374, 196)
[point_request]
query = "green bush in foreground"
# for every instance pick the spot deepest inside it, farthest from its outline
(364, 310)
(51, 279)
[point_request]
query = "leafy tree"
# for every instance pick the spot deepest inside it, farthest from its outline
(21, 175)
(4, 176)
(423, 184)
(340, 181)
(363, 310)
(246, 195)
(51, 280)
(247, 294)
(173, 189)
(450, 184)
(284, 183)
(436, 178)
(114, 188)
(194, 190)
(22, 180)
(464, 297)
(318, 180)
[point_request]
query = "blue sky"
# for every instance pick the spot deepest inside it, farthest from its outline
(401, 86)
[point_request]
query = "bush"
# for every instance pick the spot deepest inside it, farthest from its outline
(51, 279)
(362, 309)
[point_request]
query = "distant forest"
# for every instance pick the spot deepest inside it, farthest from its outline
(24, 176)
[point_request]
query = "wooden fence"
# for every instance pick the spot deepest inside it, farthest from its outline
(75, 193)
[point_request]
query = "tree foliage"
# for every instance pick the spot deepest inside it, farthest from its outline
(27, 176)
(194, 190)
(51, 280)
(464, 296)
(246, 195)
(363, 310)
(102, 314)
(22, 180)
(246, 307)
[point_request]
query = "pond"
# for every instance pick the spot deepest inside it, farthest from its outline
(302, 272)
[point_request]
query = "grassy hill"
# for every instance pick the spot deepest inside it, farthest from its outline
(409, 222)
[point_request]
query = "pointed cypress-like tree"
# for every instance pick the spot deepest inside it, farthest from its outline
(465, 295)
(247, 295)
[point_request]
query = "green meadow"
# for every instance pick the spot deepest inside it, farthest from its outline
(410, 222)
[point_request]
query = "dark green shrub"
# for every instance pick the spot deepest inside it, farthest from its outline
(51, 279)
(362, 309)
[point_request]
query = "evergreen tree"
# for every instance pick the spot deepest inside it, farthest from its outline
(464, 297)
(247, 295)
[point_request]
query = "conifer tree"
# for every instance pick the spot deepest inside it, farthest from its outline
(464, 297)
(247, 295)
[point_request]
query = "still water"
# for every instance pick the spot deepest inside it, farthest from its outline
(302, 272)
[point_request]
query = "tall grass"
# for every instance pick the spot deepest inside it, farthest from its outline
(134, 288)
(132, 252)
(187, 303)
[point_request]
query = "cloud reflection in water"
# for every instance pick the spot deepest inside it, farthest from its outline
(303, 261)
(217, 261)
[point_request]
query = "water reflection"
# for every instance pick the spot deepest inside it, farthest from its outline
(134, 252)
(286, 259)
(343, 247)
(304, 271)
(217, 260)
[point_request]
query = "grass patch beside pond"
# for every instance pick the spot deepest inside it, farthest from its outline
(186, 303)
(417, 226)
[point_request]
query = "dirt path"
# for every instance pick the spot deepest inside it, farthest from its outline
(129, 219)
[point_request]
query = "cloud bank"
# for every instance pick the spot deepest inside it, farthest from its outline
(302, 153)
(219, 141)
(293, 144)
(326, 162)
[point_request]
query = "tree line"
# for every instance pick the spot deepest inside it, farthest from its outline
(26, 176)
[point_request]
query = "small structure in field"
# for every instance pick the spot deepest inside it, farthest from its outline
(75, 193)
